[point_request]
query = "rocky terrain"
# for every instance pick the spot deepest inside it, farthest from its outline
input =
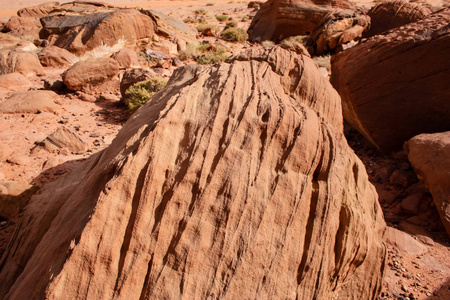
(309, 161)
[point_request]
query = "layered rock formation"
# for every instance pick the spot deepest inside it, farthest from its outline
(429, 154)
(235, 181)
(393, 14)
(279, 19)
(395, 86)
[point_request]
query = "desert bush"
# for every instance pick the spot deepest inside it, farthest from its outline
(200, 12)
(139, 93)
(190, 20)
(209, 4)
(268, 44)
(323, 61)
(231, 24)
(215, 29)
(193, 50)
(234, 34)
(202, 20)
(301, 39)
(213, 57)
(222, 18)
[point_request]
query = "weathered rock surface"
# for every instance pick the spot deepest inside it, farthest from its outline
(81, 33)
(38, 10)
(10, 42)
(392, 14)
(64, 138)
(85, 75)
(56, 57)
(126, 58)
(337, 28)
(429, 154)
(29, 102)
(13, 197)
(232, 182)
(24, 27)
(23, 62)
(395, 86)
(14, 81)
(404, 242)
(279, 19)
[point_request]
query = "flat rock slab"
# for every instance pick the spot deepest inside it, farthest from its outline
(30, 102)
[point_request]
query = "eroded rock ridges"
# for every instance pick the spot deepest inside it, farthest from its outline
(235, 181)
(395, 85)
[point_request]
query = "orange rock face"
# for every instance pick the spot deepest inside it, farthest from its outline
(234, 182)
(395, 85)
(279, 19)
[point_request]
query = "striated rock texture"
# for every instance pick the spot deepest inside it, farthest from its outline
(279, 19)
(393, 14)
(232, 182)
(395, 86)
(429, 154)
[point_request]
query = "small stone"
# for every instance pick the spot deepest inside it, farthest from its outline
(3, 223)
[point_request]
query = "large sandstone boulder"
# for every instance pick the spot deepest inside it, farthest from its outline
(235, 182)
(81, 33)
(14, 82)
(279, 19)
(85, 75)
(26, 63)
(429, 155)
(392, 14)
(9, 42)
(56, 57)
(395, 86)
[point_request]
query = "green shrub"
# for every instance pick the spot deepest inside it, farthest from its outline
(193, 50)
(301, 39)
(139, 93)
(210, 4)
(222, 18)
(213, 57)
(323, 61)
(200, 11)
(234, 34)
(231, 24)
(190, 20)
(200, 28)
(202, 20)
(268, 44)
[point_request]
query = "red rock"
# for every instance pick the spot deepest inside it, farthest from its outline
(395, 86)
(337, 28)
(29, 102)
(23, 62)
(14, 82)
(202, 193)
(392, 14)
(404, 242)
(10, 42)
(56, 57)
(279, 19)
(411, 204)
(38, 10)
(85, 75)
(24, 27)
(126, 58)
(429, 154)
(64, 138)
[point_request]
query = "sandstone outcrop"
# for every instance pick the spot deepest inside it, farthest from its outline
(29, 102)
(19, 61)
(85, 75)
(81, 33)
(429, 155)
(10, 42)
(235, 181)
(336, 29)
(25, 27)
(279, 19)
(56, 57)
(38, 10)
(14, 81)
(126, 58)
(395, 86)
(392, 14)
